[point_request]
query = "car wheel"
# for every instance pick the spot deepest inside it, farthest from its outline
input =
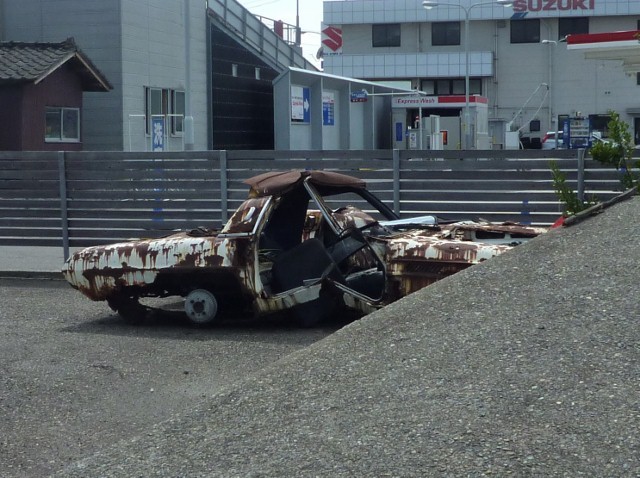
(201, 307)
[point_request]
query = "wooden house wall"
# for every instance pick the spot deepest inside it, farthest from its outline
(11, 118)
(62, 88)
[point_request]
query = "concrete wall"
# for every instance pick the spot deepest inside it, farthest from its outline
(153, 55)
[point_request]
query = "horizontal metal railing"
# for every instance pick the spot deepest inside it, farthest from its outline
(84, 198)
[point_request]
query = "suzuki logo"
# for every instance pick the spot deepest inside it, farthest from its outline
(552, 5)
(332, 38)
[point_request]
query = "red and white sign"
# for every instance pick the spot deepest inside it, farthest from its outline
(552, 5)
(623, 46)
(450, 101)
(332, 40)
(630, 38)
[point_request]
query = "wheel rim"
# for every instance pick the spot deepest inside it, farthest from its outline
(201, 306)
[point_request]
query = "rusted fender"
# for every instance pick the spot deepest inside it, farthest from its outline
(99, 271)
(424, 245)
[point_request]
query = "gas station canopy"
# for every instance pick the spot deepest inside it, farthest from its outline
(623, 46)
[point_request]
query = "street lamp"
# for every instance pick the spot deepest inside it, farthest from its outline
(298, 31)
(428, 5)
(552, 93)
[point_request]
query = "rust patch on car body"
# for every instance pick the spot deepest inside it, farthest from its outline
(361, 264)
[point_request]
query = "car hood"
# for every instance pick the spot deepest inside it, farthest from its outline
(461, 242)
(427, 245)
(97, 270)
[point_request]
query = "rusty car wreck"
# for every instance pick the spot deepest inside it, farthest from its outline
(288, 247)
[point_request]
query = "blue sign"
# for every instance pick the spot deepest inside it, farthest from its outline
(576, 133)
(360, 96)
(157, 134)
(399, 131)
(328, 109)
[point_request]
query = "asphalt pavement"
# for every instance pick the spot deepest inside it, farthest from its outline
(525, 365)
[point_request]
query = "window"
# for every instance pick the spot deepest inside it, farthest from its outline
(429, 87)
(445, 33)
(443, 87)
(525, 31)
(156, 104)
(534, 125)
(62, 125)
(457, 87)
(570, 25)
(637, 78)
(386, 35)
(167, 103)
(177, 108)
(451, 86)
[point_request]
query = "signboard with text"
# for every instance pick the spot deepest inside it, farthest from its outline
(552, 5)
(359, 96)
(300, 105)
(447, 101)
(328, 109)
(157, 133)
(576, 133)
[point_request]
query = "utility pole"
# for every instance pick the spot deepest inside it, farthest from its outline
(188, 119)
(298, 32)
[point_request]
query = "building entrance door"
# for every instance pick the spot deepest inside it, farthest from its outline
(636, 130)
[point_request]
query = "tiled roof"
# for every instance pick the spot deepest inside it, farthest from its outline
(32, 62)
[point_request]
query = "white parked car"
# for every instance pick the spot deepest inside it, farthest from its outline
(549, 140)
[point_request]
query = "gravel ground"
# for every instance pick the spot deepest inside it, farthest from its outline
(527, 365)
(75, 379)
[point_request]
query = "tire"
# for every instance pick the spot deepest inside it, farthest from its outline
(201, 307)
(131, 311)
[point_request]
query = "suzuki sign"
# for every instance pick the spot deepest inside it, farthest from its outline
(552, 5)
(332, 40)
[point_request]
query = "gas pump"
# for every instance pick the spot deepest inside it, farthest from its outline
(576, 132)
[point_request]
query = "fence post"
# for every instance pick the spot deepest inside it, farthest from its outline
(396, 181)
(64, 216)
(224, 192)
(581, 153)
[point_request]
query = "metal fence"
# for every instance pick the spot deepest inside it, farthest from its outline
(84, 198)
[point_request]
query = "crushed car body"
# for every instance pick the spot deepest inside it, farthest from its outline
(312, 242)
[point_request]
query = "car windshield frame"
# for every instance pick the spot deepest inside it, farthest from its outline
(327, 213)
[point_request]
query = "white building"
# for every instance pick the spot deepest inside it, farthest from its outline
(517, 58)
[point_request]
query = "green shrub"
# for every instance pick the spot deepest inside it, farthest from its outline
(571, 203)
(618, 152)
